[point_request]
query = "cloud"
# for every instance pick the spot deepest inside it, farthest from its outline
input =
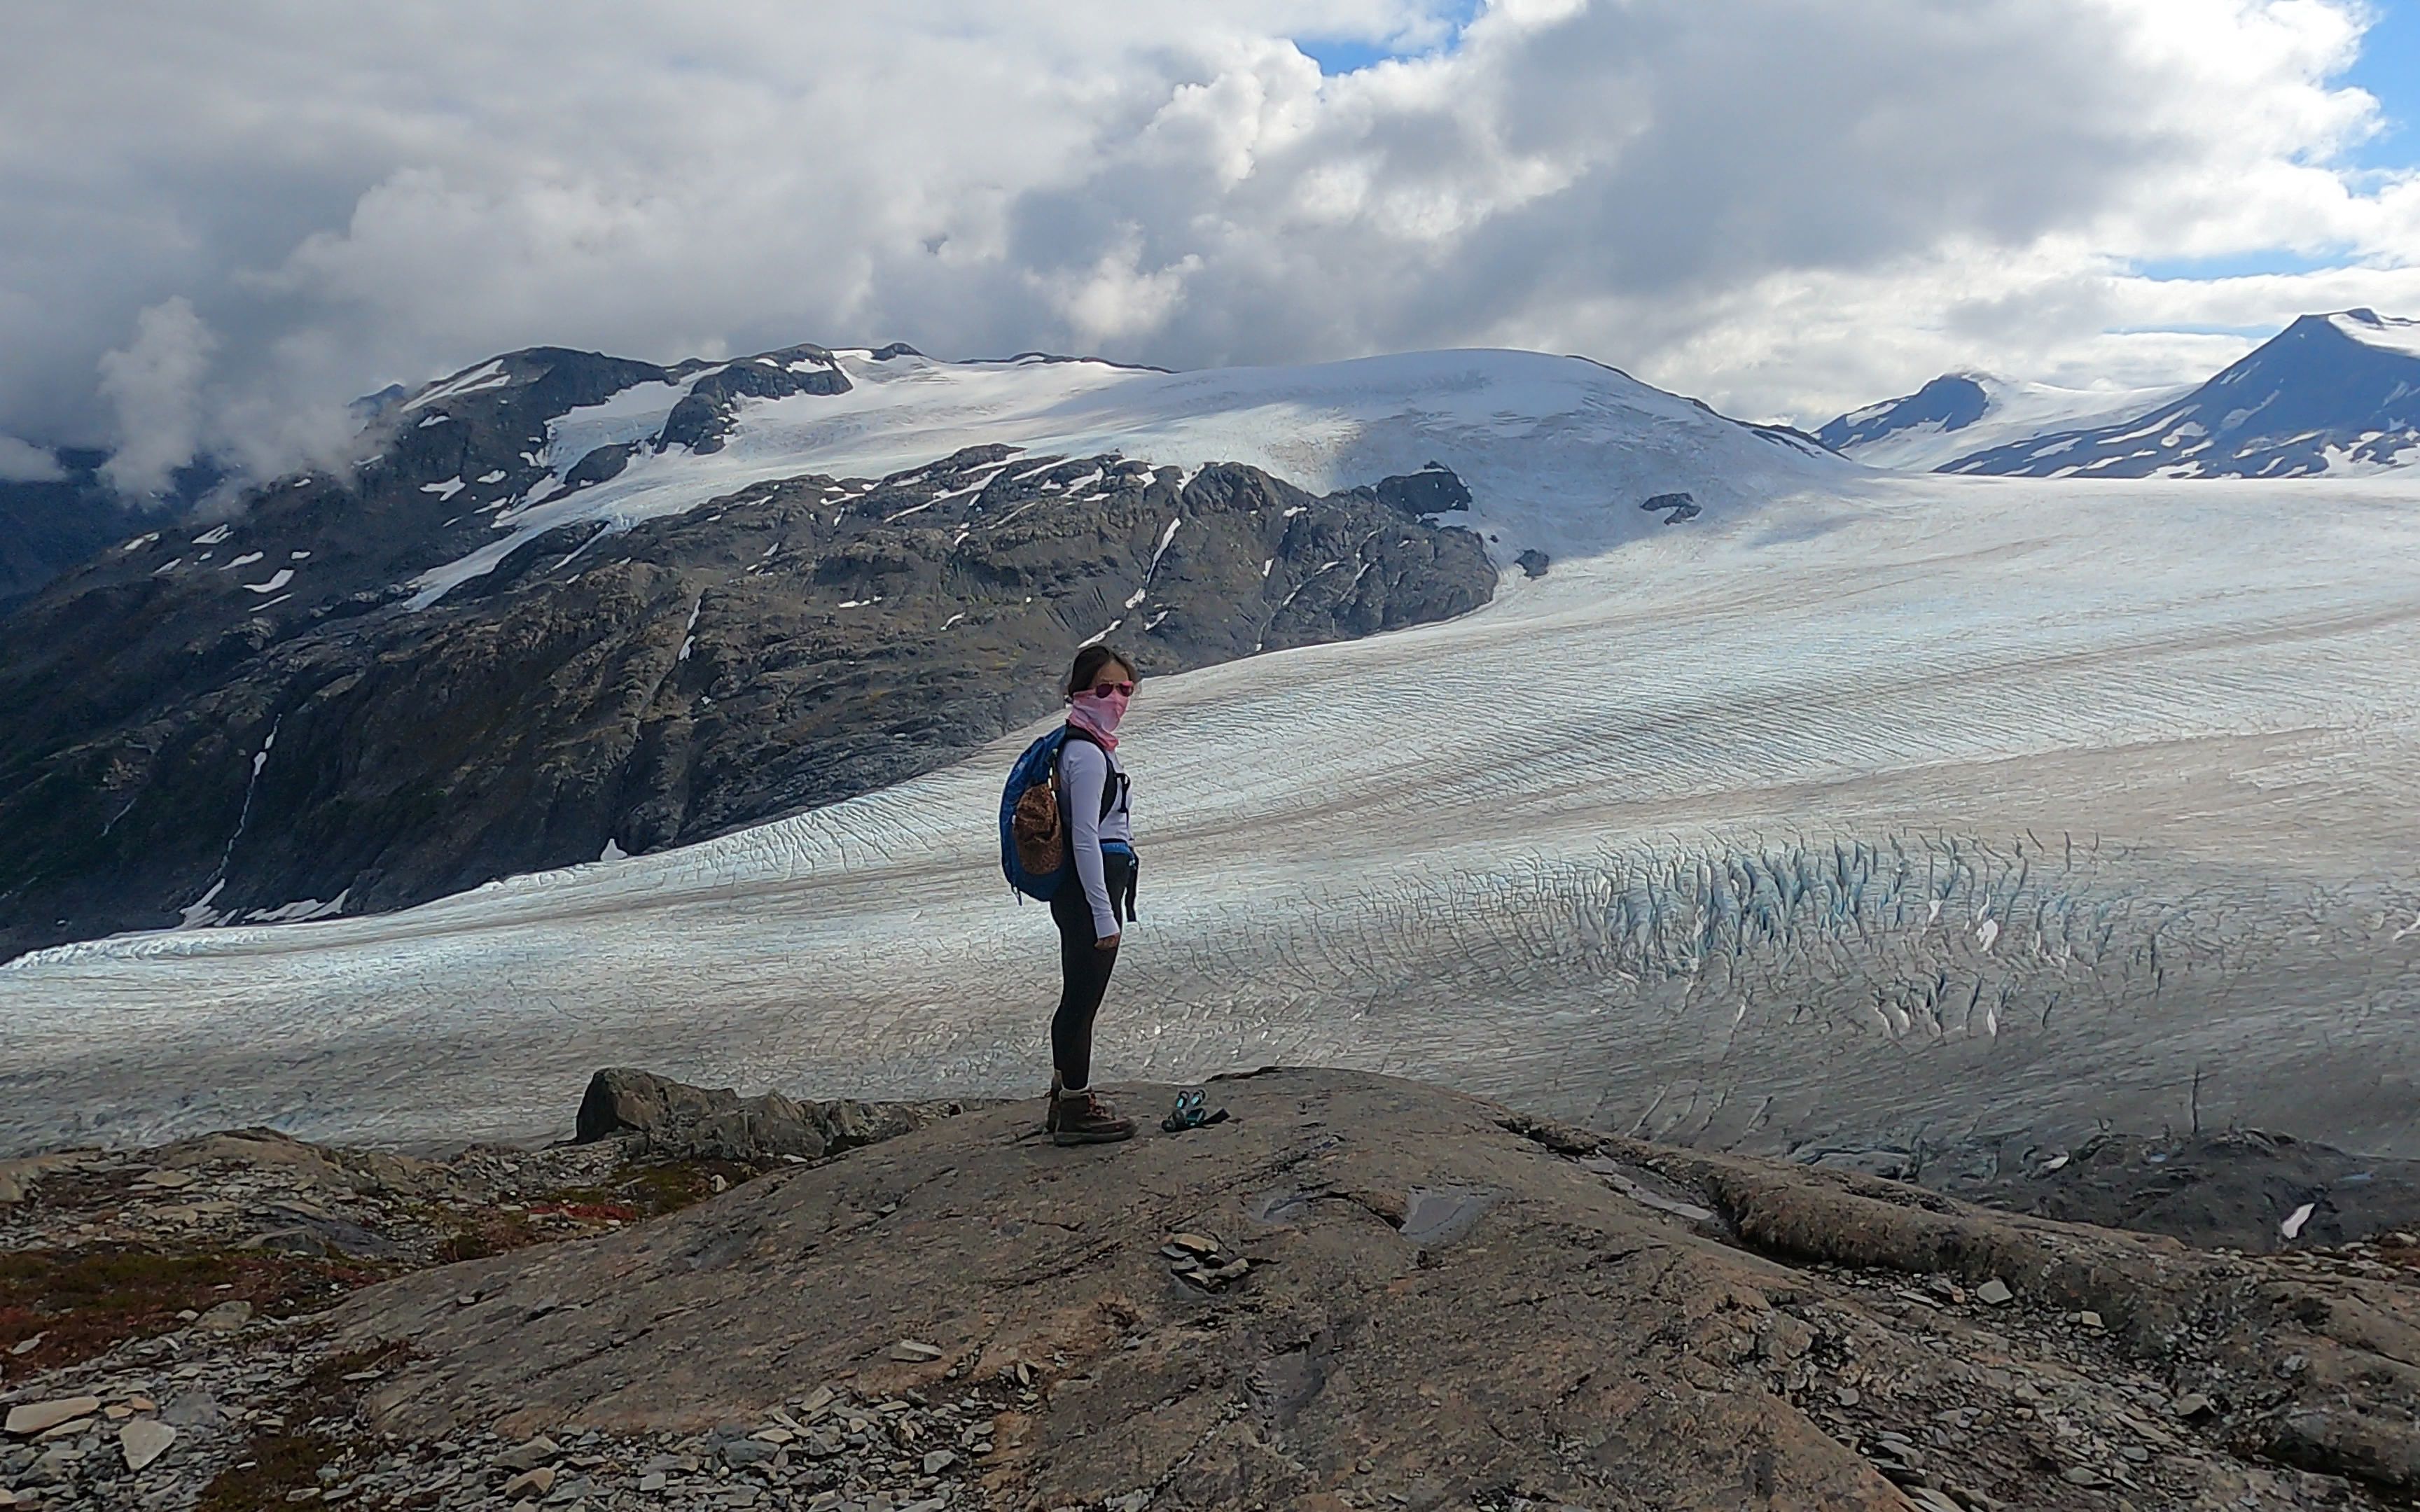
(1787, 208)
(155, 384)
(24, 462)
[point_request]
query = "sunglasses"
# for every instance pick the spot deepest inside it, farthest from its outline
(1102, 690)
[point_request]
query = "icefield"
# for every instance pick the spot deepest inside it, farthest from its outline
(1888, 808)
(1541, 441)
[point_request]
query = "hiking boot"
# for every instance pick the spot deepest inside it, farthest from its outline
(1086, 1119)
(1050, 1104)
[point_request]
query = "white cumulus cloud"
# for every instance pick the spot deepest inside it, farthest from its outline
(24, 462)
(154, 383)
(1785, 208)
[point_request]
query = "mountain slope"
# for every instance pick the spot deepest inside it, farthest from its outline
(514, 636)
(48, 525)
(2329, 394)
(1960, 413)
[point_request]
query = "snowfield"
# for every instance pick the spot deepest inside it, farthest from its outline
(1557, 449)
(1859, 809)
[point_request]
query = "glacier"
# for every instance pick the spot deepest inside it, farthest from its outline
(1862, 806)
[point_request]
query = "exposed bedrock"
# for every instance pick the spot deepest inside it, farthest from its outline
(1418, 1300)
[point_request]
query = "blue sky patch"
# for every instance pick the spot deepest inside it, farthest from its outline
(2236, 264)
(1350, 54)
(2389, 67)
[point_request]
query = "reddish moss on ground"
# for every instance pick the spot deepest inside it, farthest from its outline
(285, 1459)
(83, 1302)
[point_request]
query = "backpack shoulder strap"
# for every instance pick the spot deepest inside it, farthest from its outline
(1113, 784)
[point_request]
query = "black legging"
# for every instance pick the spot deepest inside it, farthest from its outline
(1083, 968)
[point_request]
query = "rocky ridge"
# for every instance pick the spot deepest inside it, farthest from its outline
(1353, 1292)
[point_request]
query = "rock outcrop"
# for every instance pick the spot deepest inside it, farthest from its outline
(1437, 1304)
(663, 1119)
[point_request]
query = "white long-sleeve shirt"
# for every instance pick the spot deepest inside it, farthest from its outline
(1084, 770)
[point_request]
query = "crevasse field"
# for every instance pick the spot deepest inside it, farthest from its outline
(1863, 807)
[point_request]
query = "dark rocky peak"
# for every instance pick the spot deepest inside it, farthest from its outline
(1952, 401)
(703, 419)
(546, 380)
(1434, 490)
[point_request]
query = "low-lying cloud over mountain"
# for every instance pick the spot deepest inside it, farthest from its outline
(225, 220)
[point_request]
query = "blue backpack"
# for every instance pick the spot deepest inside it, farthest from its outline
(1034, 827)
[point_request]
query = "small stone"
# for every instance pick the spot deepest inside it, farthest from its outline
(27, 1346)
(466, 1299)
(1994, 1293)
(540, 1480)
(776, 1436)
(1931, 1499)
(914, 1351)
(938, 1461)
(37, 1417)
(1194, 1243)
(117, 1412)
(2088, 1318)
(144, 1439)
(1848, 1396)
(2082, 1475)
(2192, 1404)
(225, 1317)
(529, 1456)
(191, 1410)
(142, 1403)
(652, 1481)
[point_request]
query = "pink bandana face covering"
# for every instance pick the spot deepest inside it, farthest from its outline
(1097, 715)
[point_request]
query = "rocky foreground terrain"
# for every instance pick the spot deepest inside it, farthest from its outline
(1353, 1292)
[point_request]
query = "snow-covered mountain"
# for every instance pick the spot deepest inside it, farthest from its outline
(1541, 441)
(2334, 393)
(568, 604)
(1961, 413)
(2331, 394)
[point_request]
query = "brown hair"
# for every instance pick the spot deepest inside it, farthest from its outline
(1089, 663)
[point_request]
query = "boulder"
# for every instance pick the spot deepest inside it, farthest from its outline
(669, 1118)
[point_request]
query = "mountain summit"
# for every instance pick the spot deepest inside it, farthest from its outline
(1958, 414)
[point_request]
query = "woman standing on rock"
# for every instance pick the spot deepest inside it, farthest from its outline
(1101, 836)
